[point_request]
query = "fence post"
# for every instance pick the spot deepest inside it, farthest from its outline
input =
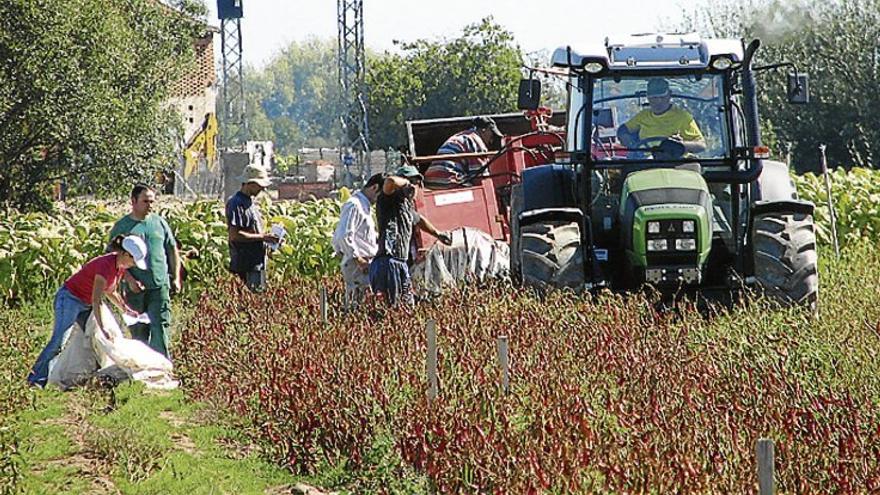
(766, 460)
(324, 305)
(431, 331)
(823, 162)
(504, 362)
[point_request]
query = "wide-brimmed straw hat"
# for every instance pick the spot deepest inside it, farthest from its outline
(256, 174)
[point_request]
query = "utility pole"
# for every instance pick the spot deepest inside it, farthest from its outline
(234, 131)
(354, 148)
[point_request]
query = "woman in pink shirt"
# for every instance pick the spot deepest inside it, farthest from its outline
(85, 290)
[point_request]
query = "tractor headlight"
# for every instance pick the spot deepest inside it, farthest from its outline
(594, 67)
(685, 244)
(722, 63)
(654, 228)
(657, 245)
(687, 226)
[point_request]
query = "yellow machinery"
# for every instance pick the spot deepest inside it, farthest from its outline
(202, 146)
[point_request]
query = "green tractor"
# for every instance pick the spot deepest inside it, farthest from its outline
(666, 182)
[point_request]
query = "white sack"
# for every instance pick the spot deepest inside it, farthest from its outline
(76, 362)
(84, 352)
(133, 356)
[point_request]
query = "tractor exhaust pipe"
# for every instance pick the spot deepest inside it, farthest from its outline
(750, 107)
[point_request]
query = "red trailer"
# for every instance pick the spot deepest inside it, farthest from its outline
(485, 205)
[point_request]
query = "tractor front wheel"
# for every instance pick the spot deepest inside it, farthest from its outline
(551, 255)
(784, 247)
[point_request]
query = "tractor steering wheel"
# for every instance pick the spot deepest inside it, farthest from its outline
(669, 149)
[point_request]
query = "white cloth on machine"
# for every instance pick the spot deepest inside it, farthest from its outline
(473, 255)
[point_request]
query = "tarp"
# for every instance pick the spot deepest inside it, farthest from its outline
(90, 352)
(473, 255)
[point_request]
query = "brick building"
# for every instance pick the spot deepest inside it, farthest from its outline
(194, 96)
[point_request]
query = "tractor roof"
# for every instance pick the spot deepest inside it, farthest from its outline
(651, 51)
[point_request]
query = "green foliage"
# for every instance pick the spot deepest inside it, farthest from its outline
(856, 198)
(38, 251)
(17, 349)
(285, 164)
(296, 100)
(837, 44)
(475, 73)
(82, 86)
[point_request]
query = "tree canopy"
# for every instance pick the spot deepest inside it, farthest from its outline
(838, 44)
(83, 85)
(475, 73)
(295, 100)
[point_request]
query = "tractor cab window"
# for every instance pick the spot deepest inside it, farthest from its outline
(676, 117)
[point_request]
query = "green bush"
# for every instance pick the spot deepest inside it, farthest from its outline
(38, 251)
(856, 197)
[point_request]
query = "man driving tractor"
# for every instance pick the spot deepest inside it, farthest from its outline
(672, 131)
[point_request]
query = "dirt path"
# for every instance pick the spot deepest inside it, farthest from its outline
(88, 465)
(179, 440)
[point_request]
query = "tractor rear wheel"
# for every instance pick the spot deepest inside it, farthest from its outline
(551, 255)
(784, 247)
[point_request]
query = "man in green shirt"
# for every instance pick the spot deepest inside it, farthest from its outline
(150, 290)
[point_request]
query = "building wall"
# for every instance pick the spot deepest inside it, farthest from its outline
(194, 96)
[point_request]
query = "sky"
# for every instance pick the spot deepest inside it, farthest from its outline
(269, 25)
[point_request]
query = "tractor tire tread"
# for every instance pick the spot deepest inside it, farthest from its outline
(551, 255)
(785, 258)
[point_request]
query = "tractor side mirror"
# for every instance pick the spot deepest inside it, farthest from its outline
(798, 88)
(529, 94)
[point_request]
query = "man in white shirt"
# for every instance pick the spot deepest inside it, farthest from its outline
(355, 239)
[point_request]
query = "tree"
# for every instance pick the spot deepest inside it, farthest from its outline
(554, 91)
(82, 91)
(838, 44)
(295, 100)
(476, 73)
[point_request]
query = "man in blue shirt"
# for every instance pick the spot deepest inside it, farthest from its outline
(244, 223)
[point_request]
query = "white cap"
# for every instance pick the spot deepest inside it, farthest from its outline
(135, 246)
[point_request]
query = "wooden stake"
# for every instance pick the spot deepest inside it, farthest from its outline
(504, 362)
(431, 331)
(324, 305)
(764, 451)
